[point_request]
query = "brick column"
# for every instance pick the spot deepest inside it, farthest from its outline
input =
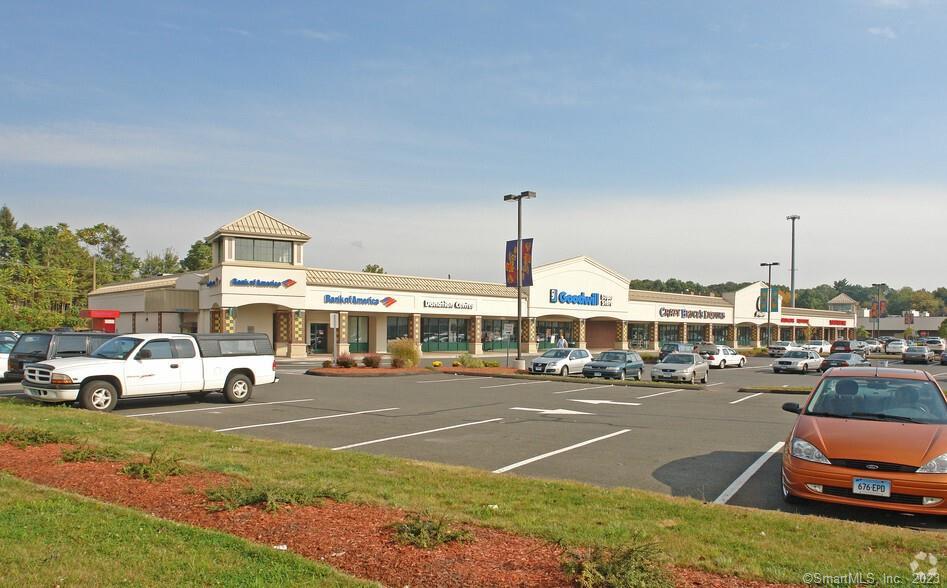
(342, 333)
(297, 342)
(528, 336)
(732, 335)
(757, 336)
(621, 335)
(682, 332)
(578, 333)
(230, 320)
(655, 344)
(475, 335)
(709, 333)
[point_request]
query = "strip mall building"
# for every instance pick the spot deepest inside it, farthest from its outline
(259, 283)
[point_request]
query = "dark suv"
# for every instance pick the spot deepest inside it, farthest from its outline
(669, 348)
(43, 345)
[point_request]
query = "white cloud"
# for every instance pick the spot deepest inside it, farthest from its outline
(316, 35)
(884, 32)
(235, 31)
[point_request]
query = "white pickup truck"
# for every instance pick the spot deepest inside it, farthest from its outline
(133, 366)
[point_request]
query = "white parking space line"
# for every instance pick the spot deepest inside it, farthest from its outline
(583, 389)
(454, 380)
(734, 487)
(329, 416)
(712, 385)
(514, 384)
(224, 407)
(414, 434)
(660, 393)
(558, 451)
(745, 398)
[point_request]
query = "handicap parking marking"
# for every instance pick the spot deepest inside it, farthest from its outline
(604, 402)
(515, 384)
(530, 460)
(552, 411)
(748, 473)
(464, 379)
(660, 393)
(746, 398)
(584, 389)
(216, 408)
(318, 418)
(406, 435)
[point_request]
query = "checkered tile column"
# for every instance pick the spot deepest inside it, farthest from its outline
(230, 320)
(709, 333)
(299, 326)
(578, 333)
(655, 344)
(474, 335)
(621, 335)
(682, 332)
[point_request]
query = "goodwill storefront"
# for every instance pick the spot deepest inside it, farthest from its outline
(259, 283)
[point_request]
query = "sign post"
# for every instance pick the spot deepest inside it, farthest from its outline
(508, 336)
(334, 325)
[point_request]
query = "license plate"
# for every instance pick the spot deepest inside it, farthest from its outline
(598, 374)
(871, 487)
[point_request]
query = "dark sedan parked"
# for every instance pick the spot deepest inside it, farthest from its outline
(615, 364)
(843, 360)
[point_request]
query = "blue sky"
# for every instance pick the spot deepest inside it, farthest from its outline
(652, 131)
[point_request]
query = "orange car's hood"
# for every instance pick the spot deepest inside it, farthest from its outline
(903, 443)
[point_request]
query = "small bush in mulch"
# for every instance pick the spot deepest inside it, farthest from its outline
(638, 565)
(436, 364)
(269, 497)
(428, 533)
(406, 350)
(371, 360)
(491, 364)
(469, 361)
(155, 469)
(456, 364)
(327, 363)
(21, 437)
(345, 361)
(84, 453)
(397, 363)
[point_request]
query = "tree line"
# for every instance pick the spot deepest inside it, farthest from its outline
(46, 273)
(897, 300)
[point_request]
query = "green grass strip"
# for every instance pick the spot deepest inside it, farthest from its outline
(730, 540)
(50, 538)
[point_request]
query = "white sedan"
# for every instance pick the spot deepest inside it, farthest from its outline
(724, 356)
(798, 361)
(818, 345)
(896, 346)
(5, 348)
(780, 348)
(562, 361)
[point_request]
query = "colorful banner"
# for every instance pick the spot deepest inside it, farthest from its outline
(764, 304)
(510, 263)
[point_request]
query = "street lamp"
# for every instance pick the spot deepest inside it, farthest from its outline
(769, 301)
(519, 265)
(878, 309)
(792, 263)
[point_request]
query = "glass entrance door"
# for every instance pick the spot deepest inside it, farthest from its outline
(318, 338)
(358, 334)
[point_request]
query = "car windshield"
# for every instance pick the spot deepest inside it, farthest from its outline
(556, 353)
(917, 350)
(611, 357)
(117, 348)
(796, 354)
(815, 342)
(679, 358)
(841, 356)
(782, 343)
(879, 399)
(6, 346)
(33, 345)
(669, 347)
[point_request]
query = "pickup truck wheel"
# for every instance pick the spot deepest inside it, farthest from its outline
(238, 389)
(98, 395)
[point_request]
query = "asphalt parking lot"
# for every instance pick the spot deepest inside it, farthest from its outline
(715, 444)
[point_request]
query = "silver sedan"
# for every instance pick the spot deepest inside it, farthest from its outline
(681, 367)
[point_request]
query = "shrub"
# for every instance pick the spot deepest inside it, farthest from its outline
(371, 360)
(406, 350)
(89, 453)
(427, 533)
(436, 364)
(155, 469)
(493, 364)
(327, 363)
(456, 364)
(397, 362)
(271, 498)
(469, 361)
(24, 436)
(634, 566)
(345, 361)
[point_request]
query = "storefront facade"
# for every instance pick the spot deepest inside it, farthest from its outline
(259, 283)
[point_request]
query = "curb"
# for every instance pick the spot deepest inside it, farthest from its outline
(583, 380)
(796, 390)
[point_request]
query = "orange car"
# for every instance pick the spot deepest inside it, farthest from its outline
(873, 437)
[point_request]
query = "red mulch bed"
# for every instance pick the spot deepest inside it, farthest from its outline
(355, 538)
(364, 372)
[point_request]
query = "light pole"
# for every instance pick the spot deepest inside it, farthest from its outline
(769, 301)
(519, 265)
(878, 309)
(792, 263)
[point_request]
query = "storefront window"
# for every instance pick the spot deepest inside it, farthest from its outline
(745, 336)
(668, 334)
(785, 334)
(358, 334)
(443, 334)
(492, 334)
(263, 250)
(695, 333)
(721, 335)
(397, 327)
(639, 336)
(548, 333)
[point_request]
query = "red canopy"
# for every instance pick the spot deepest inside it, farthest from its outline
(99, 313)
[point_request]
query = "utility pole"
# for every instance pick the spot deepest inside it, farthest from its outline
(519, 266)
(792, 263)
(769, 301)
(878, 309)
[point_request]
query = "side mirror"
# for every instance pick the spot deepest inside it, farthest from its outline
(792, 407)
(144, 354)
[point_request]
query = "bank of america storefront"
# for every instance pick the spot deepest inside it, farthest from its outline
(259, 284)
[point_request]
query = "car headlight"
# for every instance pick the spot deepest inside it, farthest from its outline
(938, 465)
(60, 379)
(807, 451)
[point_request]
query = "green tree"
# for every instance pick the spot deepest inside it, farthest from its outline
(115, 261)
(199, 257)
(908, 333)
(155, 264)
(373, 268)
(861, 333)
(943, 328)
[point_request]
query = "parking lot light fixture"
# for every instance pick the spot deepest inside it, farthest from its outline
(519, 265)
(878, 309)
(792, 262)
(769, 300)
